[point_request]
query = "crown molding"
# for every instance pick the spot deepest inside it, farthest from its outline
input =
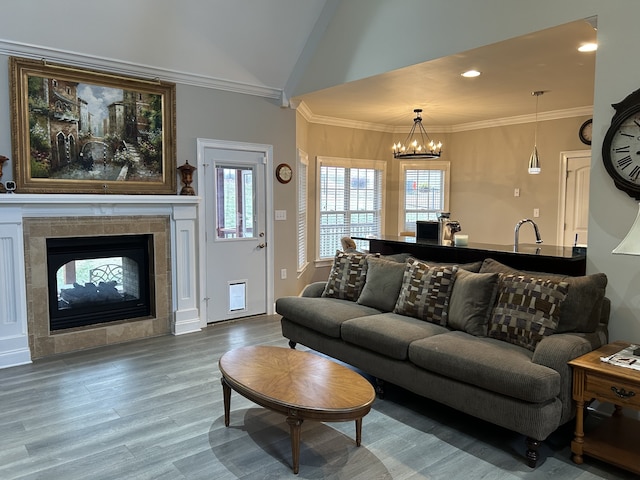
(529, 118)
(309, 116)
(81, 60)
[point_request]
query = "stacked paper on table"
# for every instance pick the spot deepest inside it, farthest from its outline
(624, 358)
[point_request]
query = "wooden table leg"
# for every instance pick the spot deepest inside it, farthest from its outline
(358, 431)
(226, 395)
(294, 430)
(578, 441)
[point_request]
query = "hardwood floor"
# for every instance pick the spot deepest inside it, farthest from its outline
(153, 409)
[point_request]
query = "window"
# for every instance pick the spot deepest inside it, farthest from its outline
(425, 192)
(301, 183)
(234, 216)
(350, 202)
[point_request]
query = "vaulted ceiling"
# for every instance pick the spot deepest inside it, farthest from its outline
(262, 48)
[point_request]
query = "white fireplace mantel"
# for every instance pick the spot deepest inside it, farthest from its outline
(181, 210)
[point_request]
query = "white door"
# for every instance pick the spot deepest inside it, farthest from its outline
(234, 191)
(576, 217)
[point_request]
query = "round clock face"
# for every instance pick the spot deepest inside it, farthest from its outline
(284, 173)
(621, 152)
(585, 132)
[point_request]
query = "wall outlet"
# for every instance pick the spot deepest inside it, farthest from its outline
(283, 273)
(516, 192)
(536, 212)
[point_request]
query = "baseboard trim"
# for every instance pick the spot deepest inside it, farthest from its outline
(186, 321)
(15, 358)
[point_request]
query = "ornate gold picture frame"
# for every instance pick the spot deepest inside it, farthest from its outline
(77, 130)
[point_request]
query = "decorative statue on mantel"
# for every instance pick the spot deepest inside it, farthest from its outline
(186, 171)
(2, 160)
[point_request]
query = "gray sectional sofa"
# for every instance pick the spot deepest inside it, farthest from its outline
(483, 338)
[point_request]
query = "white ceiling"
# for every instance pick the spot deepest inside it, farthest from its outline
(547, 60)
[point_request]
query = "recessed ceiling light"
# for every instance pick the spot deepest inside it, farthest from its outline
(588, 47)
(471, 74)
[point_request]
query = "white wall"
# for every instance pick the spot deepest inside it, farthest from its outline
(361, 41)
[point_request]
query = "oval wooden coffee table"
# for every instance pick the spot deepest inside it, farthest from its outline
(300, 385)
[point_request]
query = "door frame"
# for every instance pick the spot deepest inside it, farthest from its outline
(562, 190)
(267, 151)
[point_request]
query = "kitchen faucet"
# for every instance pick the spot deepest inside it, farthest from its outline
(516, 233)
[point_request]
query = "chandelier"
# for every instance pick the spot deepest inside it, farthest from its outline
(417, 144)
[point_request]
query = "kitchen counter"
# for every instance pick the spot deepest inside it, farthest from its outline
(538, 257)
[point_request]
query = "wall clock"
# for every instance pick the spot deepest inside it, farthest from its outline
(621, 146)
(284, 173)
(585, 132)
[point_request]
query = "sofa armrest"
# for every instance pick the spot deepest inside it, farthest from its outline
(314, 289)
(555, 351)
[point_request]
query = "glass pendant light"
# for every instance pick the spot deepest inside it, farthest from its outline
(534, 161)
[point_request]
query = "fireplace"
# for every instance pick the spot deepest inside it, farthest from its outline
(93, 280)
(27, 221)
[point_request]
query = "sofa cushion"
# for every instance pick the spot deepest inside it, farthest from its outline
(487, 363)
(324, 315)
(472, 301)
(581, 309)
(527, 309)
(347, 276)
(382, 285)
(388, 334)
(425, 291)
(469, 267)
(397, 257)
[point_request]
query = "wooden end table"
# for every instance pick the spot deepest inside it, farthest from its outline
(617, 439)
(297, 384)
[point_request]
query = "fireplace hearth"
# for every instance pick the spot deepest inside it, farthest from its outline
(93, 280)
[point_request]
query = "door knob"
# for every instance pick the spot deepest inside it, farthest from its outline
(262, 245)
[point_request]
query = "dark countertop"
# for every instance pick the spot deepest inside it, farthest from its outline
(523, 249)
(534, 257)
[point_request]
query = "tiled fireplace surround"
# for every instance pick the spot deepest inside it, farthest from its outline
(25, 223)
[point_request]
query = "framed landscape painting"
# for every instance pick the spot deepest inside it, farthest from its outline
(77, 130)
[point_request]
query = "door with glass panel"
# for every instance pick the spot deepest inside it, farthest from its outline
(235, 234)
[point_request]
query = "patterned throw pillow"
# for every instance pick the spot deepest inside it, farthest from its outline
(527, 309)
(425, 291)
(347, 276)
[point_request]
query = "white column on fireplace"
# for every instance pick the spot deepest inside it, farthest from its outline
(14, 340)
(185, 251)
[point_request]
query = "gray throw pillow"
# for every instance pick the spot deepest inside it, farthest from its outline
(382, 285)
(472, 300)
